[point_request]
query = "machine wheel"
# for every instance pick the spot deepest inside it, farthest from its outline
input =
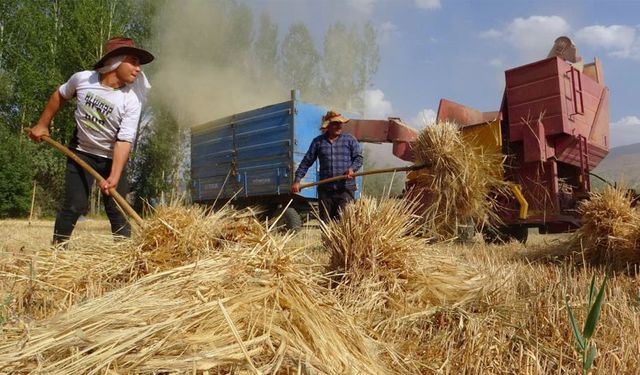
(519, 233)
(504, 235)
(290, 219)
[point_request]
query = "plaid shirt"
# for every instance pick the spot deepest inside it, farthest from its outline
(335, 159)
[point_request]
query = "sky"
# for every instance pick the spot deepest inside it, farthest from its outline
(459, 49)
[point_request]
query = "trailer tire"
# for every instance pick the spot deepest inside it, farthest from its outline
(290, 219)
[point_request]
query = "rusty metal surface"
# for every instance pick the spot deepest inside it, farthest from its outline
(368, 130)
(567, 102)
(462, 115)
(384, 131)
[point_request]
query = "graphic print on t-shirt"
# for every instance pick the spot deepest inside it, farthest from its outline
(96, 110)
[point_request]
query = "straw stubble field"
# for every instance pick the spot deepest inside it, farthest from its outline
(383, 291)
(266, 304)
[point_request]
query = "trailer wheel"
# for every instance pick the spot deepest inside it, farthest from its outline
(289, 219)
(504, 235)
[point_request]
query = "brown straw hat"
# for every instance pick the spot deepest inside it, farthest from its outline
(123, 46)
(332, 116)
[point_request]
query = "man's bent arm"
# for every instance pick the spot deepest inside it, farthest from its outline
(55, 103)
(308, 160)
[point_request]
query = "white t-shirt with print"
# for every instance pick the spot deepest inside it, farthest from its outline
(103, 114)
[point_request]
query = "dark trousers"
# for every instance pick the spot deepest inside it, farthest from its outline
(332, 202)
(78, 183)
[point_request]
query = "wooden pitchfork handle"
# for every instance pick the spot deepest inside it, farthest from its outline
(99, 179)
(365, 173)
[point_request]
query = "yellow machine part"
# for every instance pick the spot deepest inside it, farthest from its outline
(524, 205)
(487, 136)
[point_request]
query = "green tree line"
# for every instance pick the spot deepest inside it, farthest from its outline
(43, 42)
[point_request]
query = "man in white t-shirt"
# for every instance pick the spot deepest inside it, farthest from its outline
(109, 101)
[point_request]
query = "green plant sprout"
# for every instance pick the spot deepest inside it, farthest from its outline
(585, 346)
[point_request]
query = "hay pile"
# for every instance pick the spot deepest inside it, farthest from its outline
(200, 291)
(458, 188)
(44, 283)
(177, 235)
(610, 232)
(51, 280)
(173, 322)
(392, 280)
(255, 310)
(376, 242)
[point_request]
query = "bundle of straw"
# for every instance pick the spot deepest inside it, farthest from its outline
(458, 188)
(178, 235)
(610, 232)
(50, 281)
(375, 245)
(254, 309)
(390, 279)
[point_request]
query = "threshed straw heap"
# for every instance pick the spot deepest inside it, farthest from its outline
(216, 291)
(610, 232)
(391, 280)
(460, 187)
(51, 281)
(44, 283)
(177, 235)
(251, 309)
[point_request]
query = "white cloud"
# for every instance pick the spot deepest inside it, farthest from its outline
(632, 53)
(608, 37)
(625, 131)
(620, 40)
(375, 105)
(428, 4)
(387, 31)
(532, 36)
(363, 6)
(627, 121)
(423, 118)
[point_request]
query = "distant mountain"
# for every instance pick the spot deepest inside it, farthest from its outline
(621, 165)
(623, 150)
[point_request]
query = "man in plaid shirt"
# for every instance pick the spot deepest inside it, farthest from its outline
(339, 154)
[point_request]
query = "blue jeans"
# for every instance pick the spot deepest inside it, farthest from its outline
(78, 183)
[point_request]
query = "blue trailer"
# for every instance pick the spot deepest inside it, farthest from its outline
(251, 158)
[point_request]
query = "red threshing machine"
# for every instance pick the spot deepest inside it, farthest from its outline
(553, 127)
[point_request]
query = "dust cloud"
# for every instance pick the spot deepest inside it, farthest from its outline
(205, 67)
